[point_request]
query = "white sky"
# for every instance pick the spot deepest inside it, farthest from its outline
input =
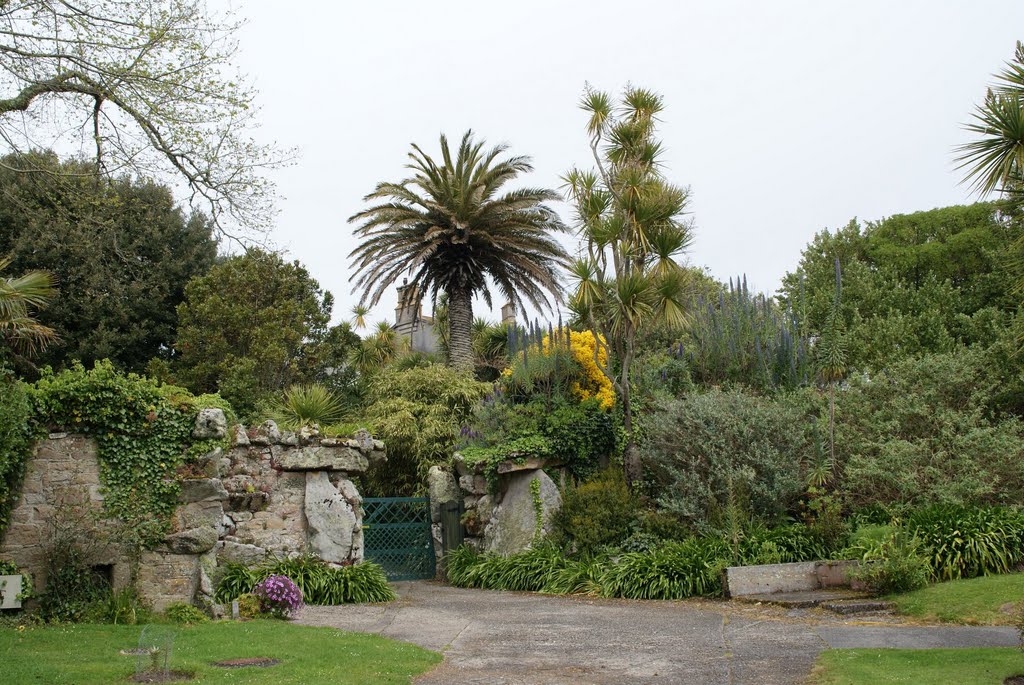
(782, 117)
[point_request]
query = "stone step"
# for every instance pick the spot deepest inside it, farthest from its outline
(800, 600)
(847, 607)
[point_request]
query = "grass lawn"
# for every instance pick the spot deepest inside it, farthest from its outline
(982, 666)
(87, 654)
(975, 601)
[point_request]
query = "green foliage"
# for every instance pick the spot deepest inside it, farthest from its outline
(898, 563)
(250, 328)
(320, 582)
(16, 434)
(577, 436)
(538, 509)
(248, 605)
(120, 249)
(417, 413)
(789, 543)
(577, 577)
(912, 284)
(701, 448)
(922, 432)
(125, 607)
(964, 542)
(675, 570)
(304, 405)
(597, 513)
(142, 431)
(185, 614)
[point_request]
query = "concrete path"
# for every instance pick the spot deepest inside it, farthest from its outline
(506, 638)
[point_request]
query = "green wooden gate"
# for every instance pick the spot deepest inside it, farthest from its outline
(396, 535)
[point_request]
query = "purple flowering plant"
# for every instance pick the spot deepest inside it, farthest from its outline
(279, 596)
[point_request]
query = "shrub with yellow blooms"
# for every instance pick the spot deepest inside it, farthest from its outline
(594, 383)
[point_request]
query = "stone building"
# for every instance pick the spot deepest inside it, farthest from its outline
(412, 324)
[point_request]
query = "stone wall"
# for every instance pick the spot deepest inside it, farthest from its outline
(502, 520)
(272, 494)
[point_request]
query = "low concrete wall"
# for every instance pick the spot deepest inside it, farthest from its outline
(803, 576)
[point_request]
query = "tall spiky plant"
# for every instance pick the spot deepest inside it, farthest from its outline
(359, 313)
(452, 228)
(631, 223)
(831, 354)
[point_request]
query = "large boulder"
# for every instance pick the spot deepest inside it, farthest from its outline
(513, 524)
(192, 541)
(240, 553)
(211, 424)
(442, 488)
(332, 520)
(321, 458)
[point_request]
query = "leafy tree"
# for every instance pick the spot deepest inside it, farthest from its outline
(120, 249)
(453, 230)
(19, 330)
(417, 413)
(249, 327)
(149, 84)
(630, 220)
(912, 284)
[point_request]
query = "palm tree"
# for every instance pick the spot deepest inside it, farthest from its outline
(995, 160)
(454, 231)
(359, 313)
(18, 296)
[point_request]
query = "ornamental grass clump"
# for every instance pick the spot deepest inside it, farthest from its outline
(279, 596)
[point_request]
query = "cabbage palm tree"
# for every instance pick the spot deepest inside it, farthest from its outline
(454, 230)
(18, 296)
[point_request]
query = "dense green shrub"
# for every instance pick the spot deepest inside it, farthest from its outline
(673, 571)
(964, 542)
(16, 433)
(185, 614)
(897, 563)
(701, 449)
(598, 512)
(790, 543)
(921, 432)
(577, 577)
(527, 571)
(125, 607)
(417, 413)
(320, 582)
(576, 435)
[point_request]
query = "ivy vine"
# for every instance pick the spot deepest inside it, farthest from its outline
(143, 433)
(538, 509)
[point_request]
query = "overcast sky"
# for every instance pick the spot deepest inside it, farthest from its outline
(783, 118)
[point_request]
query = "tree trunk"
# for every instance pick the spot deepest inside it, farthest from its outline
(634, 470)
(460, 329)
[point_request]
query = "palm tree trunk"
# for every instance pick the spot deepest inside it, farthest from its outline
(460, 329)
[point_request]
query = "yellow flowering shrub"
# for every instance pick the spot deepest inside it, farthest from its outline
(594, 382)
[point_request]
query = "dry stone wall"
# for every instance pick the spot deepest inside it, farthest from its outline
(500, 519)
(272, 494)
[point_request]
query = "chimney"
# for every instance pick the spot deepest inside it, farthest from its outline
(508, 315)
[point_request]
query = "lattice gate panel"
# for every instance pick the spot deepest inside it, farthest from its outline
(396, 535)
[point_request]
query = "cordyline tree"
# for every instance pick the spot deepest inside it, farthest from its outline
(994, 161)
(453, 231)
(631, 223)
(148, 85)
